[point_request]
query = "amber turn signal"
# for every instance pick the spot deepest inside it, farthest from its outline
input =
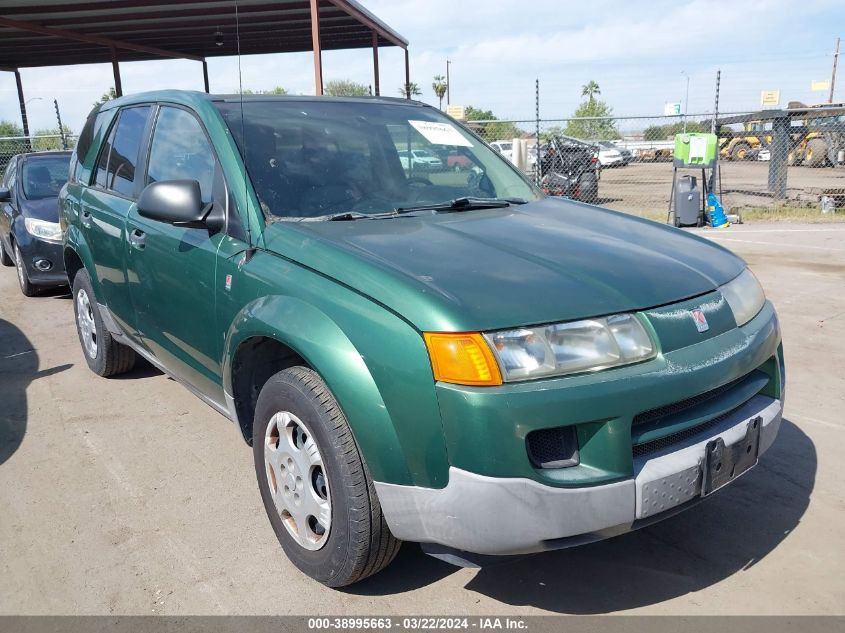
(462, 359)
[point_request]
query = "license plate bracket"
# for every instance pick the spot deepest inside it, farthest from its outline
(722, 464)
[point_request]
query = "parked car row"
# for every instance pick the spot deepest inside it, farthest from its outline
(30, 235)
(459, 361)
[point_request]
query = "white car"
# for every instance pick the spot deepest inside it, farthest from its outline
(419, 158)
(610, 156)
(505, 148)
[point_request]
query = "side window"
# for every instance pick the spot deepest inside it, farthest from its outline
(181, 151)
(11, 172)
(116, 167)
(83, 144)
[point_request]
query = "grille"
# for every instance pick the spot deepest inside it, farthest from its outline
(553, 448)
(652, 415)
(646, 448)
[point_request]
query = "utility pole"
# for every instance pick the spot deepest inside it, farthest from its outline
(833, 73)
(686, 101)
(61, 128)
(449, 83)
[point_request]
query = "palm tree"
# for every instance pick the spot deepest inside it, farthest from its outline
(410, 90)
(590, 89)
(439, 86)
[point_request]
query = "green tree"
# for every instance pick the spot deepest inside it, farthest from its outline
(345, 88)
(278, 90)
(106, 96)
(668, 131)
(50, 139)
(492, 129)
(440, 86)
(7, 128)
(593, 120)
(589, 90)
(410, 90)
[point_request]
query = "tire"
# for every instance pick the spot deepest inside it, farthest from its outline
(589, 189)
(296, 418)
(27, 287)
(5, 259)
(816, 154)
(741, 151)
(104, 355)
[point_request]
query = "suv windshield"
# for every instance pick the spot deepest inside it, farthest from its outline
(43, 176)
(314, 158)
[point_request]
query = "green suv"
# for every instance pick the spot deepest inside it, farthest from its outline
(429, 355)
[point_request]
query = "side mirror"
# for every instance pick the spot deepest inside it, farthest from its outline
(177, 202)
(5, 194)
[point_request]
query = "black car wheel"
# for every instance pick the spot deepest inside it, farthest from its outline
(314, 483)
(27, 288)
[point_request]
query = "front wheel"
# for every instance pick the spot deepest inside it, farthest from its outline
(104, 355)
(5, 259)
(27, 287)
(314, 483)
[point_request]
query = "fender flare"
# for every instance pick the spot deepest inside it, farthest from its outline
(75, 241)
(325, 347)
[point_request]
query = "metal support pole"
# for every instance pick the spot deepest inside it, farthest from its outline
(686, 103)
(537, 166)
(22, 102)
(833, 72)
(778, 161)
(115, 66)
(317, 46)
(716, 105)
(375, 64)
(407, 76)
(205, 76)
(61, 127)
(448, 84)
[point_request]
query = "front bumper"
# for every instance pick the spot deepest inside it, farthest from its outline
(506, 516)
(37, 253)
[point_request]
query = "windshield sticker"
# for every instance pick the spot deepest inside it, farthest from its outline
(441, 133)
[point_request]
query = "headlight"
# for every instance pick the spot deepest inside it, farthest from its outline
(43, 229)
(745, 296)
(567, 348)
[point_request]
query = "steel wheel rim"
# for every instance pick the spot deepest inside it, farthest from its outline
(85, 321)
(296, 480)
(19, 265)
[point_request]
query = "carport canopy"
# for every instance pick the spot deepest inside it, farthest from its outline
(60, 33)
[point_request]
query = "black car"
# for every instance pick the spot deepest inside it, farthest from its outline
(570, 168)
(30, 235)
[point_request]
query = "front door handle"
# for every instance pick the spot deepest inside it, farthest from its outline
(138, 239)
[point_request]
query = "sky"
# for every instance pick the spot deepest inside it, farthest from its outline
(640, 52)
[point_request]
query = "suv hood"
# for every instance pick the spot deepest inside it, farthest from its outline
(550, 260)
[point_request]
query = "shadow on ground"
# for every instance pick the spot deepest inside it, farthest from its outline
(714, 540)
(18, 368)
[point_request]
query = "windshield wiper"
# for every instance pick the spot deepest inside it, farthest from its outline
(467, 203)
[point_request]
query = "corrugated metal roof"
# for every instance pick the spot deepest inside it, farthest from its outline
(145, 29)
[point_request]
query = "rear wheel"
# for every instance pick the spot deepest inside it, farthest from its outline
(314, 484)
(104, 355)
(5, 259)
(816, 154)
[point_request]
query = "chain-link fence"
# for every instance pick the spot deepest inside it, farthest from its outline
(768, 161)
(13, 145)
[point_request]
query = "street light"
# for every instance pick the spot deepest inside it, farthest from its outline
(686, 100)
(33, 99)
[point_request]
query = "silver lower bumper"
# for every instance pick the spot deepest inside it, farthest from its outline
(501, 516)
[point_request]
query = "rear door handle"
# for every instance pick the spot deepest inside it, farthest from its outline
(138, 239)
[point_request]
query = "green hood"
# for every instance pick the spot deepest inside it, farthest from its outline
(546, 261)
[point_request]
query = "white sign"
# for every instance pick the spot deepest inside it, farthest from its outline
(816, 86)
(441, 133)
(672, 109)
(697, 147)
(769, 98)
(456, 112)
